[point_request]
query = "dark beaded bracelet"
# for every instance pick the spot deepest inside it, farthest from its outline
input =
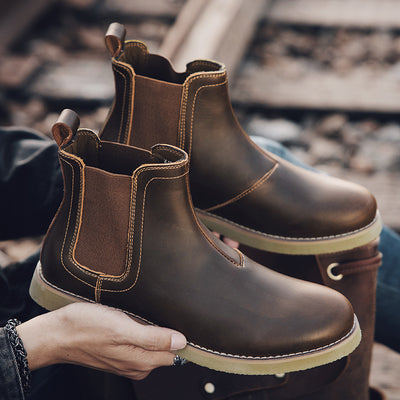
(19, 352)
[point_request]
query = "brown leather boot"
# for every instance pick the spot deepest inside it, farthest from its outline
(126, 236)
(239, 190)
(352, 272)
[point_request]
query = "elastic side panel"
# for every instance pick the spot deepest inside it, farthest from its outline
(156, 112)
(102, 238)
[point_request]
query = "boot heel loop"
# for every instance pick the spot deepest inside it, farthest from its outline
(115, 38)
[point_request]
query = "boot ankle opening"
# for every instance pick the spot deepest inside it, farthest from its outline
(157, 67)
(85, 146)
(116, 158)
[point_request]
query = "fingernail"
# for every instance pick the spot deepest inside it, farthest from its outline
(178, 341)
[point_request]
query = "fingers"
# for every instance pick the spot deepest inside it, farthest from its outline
(230, 242)
(139, 363)
(154, 338)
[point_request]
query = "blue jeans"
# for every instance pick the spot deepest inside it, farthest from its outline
(387, 327)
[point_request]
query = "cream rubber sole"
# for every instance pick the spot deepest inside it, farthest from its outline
(287, 245)
(52, 298)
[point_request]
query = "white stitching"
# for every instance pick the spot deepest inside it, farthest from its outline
(287, 238)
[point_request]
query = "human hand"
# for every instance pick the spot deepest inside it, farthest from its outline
(226, 240)
(98, 337)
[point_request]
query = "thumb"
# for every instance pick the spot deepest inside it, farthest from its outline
(155, 338)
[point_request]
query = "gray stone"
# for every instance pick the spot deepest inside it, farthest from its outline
(331, 125)
(81, 80)
(325, 151)
(383, 156)
(351, 135)
(388, 133)
(159, 8)
(280, 130)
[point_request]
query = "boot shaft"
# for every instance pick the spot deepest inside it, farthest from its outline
(100, 219)
(192, 110)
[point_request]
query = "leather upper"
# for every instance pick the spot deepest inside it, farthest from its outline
(171, 271)
(230, 176)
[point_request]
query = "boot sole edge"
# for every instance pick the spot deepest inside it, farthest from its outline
(287, 245)
(52, 298)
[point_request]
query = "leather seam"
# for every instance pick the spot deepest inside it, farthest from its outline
(123, 104)
(67, 229)
(141, 235)
(131, 96)
(193, 109)
(247, 191)
(185, 97)
(230, 259)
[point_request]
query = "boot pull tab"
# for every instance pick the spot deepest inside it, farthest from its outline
(65, 127)
(115, 38)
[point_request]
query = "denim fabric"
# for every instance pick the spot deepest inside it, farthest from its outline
(387, 327)
(30, 182)
(10, 382)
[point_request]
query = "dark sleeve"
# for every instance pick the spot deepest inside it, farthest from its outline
(10, 382)
(30, 182)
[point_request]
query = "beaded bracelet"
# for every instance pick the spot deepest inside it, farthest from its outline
(19, 353)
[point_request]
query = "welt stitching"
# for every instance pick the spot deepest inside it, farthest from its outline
(283, 355)
(141, 233)
(247, 191)
(288, 238)
(185, 96)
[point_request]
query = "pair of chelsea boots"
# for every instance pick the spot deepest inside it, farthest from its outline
(127, 234)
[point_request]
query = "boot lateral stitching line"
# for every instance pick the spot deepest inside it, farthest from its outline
(230, 259)
(84, 269)
(131, 96)
(141, 239)
(193, 108)
(123, 104)
(71, 254)
(247, 191)
(67, 229)
(134, 180)
(185, 96)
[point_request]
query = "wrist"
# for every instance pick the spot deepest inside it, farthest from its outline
(41, 340)
(19, 351)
